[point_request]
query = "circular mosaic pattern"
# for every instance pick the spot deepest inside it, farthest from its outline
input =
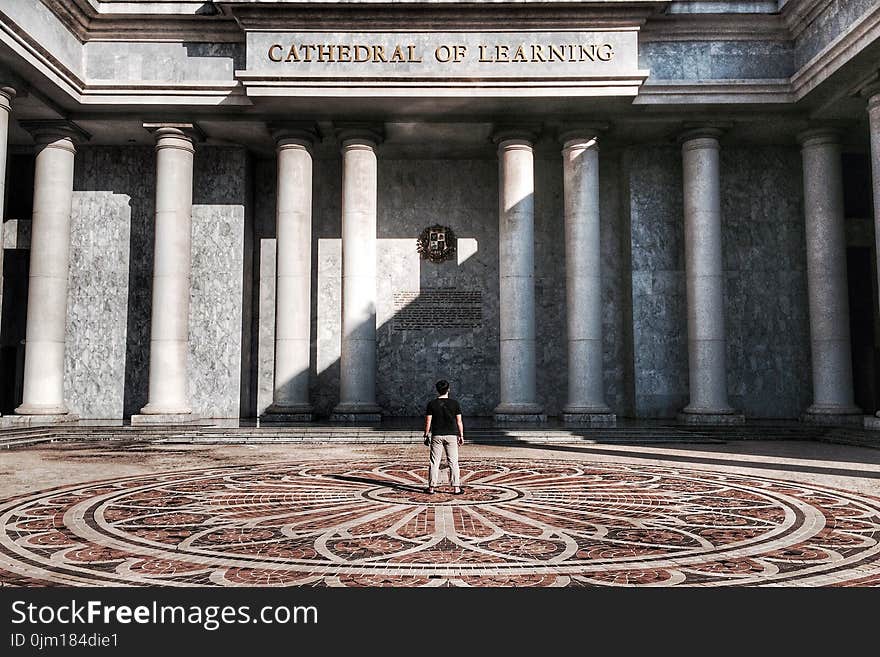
(519, 523)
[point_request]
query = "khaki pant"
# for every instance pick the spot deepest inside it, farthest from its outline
(438, 445)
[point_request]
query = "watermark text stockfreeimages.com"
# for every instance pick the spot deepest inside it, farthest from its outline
(210, 617)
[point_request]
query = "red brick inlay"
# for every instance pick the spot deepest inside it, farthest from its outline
(518, 523)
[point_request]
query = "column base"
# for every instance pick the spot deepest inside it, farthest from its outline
(519, 413)
(588, 417)
(146, 419)
(709, 416)
(282, 414)
(356, 413)
(42, 409)
(833, 415)
(7, 421)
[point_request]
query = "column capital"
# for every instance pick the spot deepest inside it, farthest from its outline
(366, 134)
(708, 131)
(819, 136)
(11, 86)
(52, 130)
(871, 93)
(304, 133)
(520, 132)
(188, 131)
(570, 135)
(7, 93)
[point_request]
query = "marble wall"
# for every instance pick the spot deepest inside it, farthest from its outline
(108, 306)
(109, 301)
(221, 285)
(768, 349)
(414, 194)
(717, 60)
(644, 303)
(767, 318)
(653, 203)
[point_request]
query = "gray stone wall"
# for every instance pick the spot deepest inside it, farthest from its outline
(326, 299)
(463, 195)
(717, 60)
(653, 197)
(768, 350)
(765, 284)
(109, 301)
(644, 303)
(108, 307)
(220, 283)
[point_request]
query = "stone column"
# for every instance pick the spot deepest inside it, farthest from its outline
(357, 367)
(583, 279)
(516, 267)
(833, 399)
(707, 342)
(168, 401)
(6, 96)
(293, 275)
(872, 94)
(43, 392)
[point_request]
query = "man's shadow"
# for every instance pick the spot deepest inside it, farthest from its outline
(412, 488)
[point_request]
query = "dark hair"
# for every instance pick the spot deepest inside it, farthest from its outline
(442, 386)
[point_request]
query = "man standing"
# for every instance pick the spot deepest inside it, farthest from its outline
(444, 416)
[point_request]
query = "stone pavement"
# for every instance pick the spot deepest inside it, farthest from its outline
(775, 513)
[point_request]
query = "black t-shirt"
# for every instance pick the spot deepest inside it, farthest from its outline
(443, 411)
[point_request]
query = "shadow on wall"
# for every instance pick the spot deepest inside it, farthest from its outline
(435, 330)
(110, 299)
(464, 196)
(434, 320)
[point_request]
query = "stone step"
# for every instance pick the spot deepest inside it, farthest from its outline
(648, 434)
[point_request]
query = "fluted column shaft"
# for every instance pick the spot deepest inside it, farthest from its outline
(516, 254)
(707, 343)
(43, 391)
(826, 276)
(357, 376)
(293, 222)
(172, 264)
(583, 280)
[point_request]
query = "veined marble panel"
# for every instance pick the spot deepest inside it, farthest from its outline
(463, 195)
(659, 306)
(220, 196)
(767, 318)
(717, 60)
(108, 325)
(768, 355)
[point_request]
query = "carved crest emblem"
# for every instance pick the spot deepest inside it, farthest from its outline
(437, 243)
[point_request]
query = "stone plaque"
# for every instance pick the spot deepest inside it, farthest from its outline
(320, 61)
(438, 308)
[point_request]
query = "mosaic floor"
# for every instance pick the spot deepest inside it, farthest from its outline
(519, 523)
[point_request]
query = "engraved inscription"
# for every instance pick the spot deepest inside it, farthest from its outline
(438, 308)
(563, 55)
